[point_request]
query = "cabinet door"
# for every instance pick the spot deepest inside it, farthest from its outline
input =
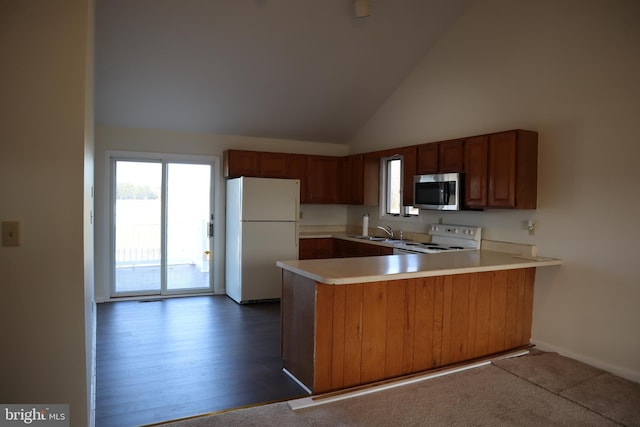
(325, 183)
(306, 249)
(440, 157)
(297, 169)
(324, 247)
(502, 170)
(526, 169)
(475, 165)
(427, 158)
(353, 189)
(409, 165)
(317, 248)
(365, 249)
(273, 165)
(241, 163)
(386, 251)
(339, 248)
(371, 180)
(345, 248)
(450, 156)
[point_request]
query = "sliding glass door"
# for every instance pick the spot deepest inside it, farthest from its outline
(187, 226)
(162, 227)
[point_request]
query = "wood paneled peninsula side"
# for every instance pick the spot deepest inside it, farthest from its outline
(353, 321)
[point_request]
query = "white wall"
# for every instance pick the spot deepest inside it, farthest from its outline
(569, 70)
(46, 283)
(109, 139)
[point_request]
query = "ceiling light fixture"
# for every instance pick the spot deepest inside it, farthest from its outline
(361, 8)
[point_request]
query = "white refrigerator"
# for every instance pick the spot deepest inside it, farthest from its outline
(262, 228)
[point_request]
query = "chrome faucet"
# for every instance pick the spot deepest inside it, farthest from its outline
(387, 230)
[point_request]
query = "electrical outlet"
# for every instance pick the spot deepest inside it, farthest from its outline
(531, 227)
(10, 233)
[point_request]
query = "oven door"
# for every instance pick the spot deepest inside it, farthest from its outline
(437, 192)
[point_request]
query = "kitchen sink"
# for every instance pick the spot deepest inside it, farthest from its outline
(377, 239)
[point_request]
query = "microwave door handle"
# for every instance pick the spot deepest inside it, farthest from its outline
(444, 194)
(451, 191)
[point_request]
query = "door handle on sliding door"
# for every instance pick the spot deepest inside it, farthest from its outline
(210, 227)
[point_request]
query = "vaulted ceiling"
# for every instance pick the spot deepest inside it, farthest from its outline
(292, 69)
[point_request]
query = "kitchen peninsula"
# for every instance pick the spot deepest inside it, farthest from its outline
(353, 321)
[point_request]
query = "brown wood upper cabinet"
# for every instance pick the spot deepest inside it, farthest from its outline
(409, 170)
(255, 163)
(440, 157)
(324, 183)
(297, 169)
(356, 178)
(361, 181)
(273, 165)
(320, 177)
(241, 163)
(475, 177)
(353, 181)
(501, 170)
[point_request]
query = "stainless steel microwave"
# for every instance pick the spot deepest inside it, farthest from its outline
(438, 191)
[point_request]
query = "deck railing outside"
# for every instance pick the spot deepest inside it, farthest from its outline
(139, 245)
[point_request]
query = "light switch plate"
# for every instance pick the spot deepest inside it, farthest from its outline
(10, 233)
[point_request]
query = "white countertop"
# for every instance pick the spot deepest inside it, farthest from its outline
(342, 271)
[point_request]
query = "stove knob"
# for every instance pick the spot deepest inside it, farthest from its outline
(457, 230)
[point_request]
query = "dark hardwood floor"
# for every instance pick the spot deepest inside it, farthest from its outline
(180, 357)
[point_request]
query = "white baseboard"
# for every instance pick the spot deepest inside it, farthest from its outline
(94, 352)
(153, 297)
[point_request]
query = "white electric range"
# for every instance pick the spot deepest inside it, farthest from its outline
(444, 238)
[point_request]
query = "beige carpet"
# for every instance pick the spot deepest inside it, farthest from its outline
(541, 389)
(599, 391)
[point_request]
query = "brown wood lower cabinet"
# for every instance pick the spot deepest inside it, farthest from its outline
(327, 247)
(338, 336)
(315, 248)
